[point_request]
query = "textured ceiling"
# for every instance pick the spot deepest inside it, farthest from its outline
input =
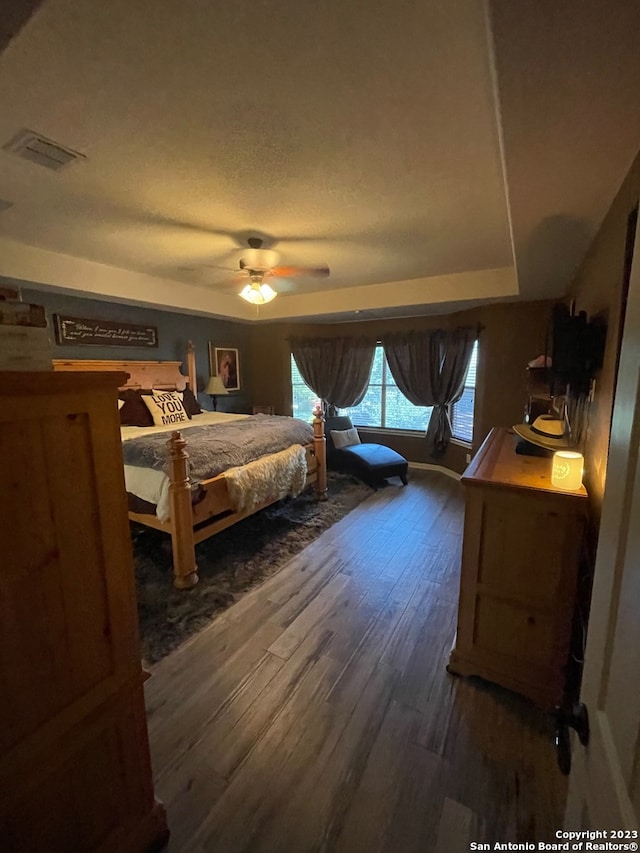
(363, 135)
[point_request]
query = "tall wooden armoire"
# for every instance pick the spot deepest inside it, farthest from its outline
(75, 772)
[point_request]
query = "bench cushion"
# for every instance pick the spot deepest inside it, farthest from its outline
(377, 460)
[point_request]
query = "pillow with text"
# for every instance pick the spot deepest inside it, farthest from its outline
(166, 408)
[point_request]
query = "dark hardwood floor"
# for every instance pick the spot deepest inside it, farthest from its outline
(317, 714)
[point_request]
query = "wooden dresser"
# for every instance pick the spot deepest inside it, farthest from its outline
(521, 549)
(74, 759)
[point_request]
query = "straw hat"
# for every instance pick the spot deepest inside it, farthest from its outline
(546, 431)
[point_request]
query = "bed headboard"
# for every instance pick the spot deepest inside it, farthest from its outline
(142, 374)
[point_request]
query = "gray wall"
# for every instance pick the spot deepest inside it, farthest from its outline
(174, 330)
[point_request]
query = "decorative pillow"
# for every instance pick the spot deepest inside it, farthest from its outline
(165, 407)
(190, 402)
(134, 412)
(345, 437)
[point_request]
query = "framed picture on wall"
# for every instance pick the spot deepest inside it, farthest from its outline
(225, 363)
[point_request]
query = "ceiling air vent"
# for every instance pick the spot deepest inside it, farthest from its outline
(37, 148)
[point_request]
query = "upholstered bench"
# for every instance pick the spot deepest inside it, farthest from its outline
(371, 462)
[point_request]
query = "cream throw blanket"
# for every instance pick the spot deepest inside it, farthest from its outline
(267, 479)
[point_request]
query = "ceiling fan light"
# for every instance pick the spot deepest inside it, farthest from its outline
(267, 293)
(258, 294)
(249, 293)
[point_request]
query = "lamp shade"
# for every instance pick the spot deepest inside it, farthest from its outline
(258, 294)
(566, 472)
(215, 386)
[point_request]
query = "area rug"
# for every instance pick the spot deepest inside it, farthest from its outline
(229, 564)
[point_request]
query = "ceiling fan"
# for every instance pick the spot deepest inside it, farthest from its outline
(259, 263)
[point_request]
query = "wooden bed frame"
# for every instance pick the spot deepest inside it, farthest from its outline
(192, 523)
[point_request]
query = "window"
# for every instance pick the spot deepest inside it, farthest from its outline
(384, 405)
(462, 411)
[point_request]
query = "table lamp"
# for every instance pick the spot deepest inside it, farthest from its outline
(215, 387)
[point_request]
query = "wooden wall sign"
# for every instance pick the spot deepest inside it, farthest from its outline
(75, 331)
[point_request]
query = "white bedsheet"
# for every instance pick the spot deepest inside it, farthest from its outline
(153, 486)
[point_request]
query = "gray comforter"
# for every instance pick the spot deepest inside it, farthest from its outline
(214, 448)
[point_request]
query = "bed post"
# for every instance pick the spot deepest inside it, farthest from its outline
(320, 450)
(184, 556)
(191, 367)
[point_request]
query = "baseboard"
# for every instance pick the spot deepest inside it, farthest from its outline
(426, 466)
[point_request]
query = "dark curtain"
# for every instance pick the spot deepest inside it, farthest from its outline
(414, 361)
(430, 368)
(336, 369)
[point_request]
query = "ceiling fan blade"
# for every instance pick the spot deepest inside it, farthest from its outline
(292, 272)
(217, 267)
